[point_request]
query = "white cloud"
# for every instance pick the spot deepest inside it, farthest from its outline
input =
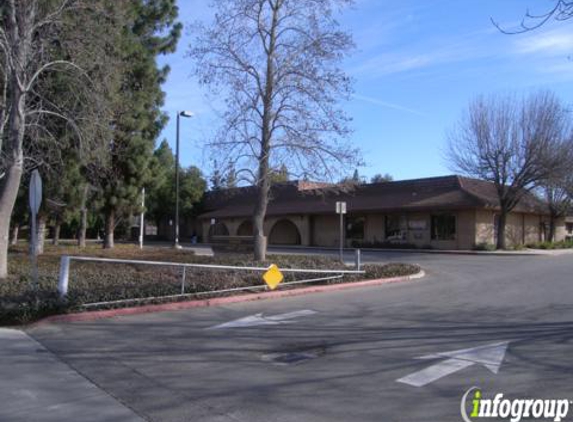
(555, 42)
(386, 104)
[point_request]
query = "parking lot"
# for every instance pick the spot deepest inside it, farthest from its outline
(342, 356)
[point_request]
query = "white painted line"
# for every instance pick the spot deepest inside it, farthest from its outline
(491, 356)
(259, 319)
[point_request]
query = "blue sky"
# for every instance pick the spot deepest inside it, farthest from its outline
(417, 65)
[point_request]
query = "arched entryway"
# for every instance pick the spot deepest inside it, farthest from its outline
(218, 229)
(284, 232)
(245, 229)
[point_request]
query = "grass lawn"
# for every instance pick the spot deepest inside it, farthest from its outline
(21, 302)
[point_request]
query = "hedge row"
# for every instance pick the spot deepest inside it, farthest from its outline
(22, 302)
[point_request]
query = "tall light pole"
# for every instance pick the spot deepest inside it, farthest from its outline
(179, 114)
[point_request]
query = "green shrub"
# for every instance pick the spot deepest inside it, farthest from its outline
(564, 244)
(484, 246)
(92, 282)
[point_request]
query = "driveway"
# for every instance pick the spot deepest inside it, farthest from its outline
(343, 356)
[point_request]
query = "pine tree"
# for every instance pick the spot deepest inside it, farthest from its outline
(149, 31)
(217, 179)
(280, 175)
(231, 179)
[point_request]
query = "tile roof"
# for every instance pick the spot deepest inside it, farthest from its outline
(435, 193)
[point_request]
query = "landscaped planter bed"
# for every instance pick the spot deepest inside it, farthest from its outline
(89, 282)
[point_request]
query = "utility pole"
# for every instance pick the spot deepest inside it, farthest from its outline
(179, 114)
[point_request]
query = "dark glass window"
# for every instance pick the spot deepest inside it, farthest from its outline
(444, 227)
(355, 228)
(394, 225)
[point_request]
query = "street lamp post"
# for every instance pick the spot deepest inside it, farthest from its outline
(179, 114)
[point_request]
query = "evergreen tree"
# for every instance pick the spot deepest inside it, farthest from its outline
(192, 186)
(379, 178)
(280, 175)
(217, 179)
(231, 179)
(161, 191)
(149, 31)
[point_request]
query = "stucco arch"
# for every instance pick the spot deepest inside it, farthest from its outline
(245, 228)
(284, 232)
(218, 229)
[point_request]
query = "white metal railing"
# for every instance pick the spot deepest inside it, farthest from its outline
(63, 281)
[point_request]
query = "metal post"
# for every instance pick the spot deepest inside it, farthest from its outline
(183, 282)
(357, 259)
(64, 276)
(142, 219)
(34, 251)
(341, 252)
(176, 245)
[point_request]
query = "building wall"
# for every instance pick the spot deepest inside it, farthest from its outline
(484, 229)
(466, 229)
(532, 228)
(325, 230)
(299, 230)
(514, 229)
(560, 230)
(473, 227)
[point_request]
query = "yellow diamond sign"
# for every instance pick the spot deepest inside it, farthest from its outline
(273, 277)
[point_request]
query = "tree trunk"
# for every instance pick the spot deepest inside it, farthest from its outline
(501, 223)
(264, 183)
(40, 235)
(83, 218)
(8, 193)
(19, 32)
(15, 231)
(551, 234)
(56, 238)
(109, 226)
(260, 240)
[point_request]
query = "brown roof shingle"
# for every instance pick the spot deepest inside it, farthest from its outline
(435, 193)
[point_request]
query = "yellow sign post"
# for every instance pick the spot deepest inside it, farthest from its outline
(273, 277)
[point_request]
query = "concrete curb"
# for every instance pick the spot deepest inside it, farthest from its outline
(203, 303)
(525, 252)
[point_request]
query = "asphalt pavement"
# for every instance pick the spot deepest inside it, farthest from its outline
(343, 356)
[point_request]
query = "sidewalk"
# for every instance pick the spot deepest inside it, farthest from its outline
(36, 386)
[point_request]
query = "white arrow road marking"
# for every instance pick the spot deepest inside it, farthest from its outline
(259, 319)
(491, 356)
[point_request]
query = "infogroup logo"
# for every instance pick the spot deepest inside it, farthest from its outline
(514, 410)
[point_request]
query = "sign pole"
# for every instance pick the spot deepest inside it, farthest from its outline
(35, 199)
(341, 252)
(142, 218)
(33, 252)
(341, 210)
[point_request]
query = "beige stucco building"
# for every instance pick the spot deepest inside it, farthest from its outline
(450, 212)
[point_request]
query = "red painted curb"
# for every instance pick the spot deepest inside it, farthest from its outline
(203, 303)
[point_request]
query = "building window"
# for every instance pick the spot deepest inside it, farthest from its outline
(444, 227)
(569, 228)
(395, 227)
(355, 228)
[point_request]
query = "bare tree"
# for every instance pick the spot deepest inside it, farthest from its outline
(277, 63)
(516, 143)
(558, 193)
(561, 10)
(32, 43)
